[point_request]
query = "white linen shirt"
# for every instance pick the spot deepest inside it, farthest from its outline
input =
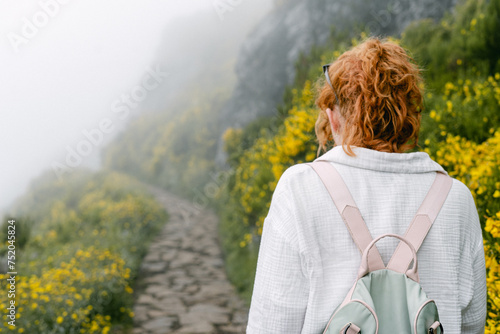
(308, 261)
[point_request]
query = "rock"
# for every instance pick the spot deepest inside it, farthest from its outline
(192, 289)
(153, 314)
(167, 293)
(169, 255)
(163, 323)
(153, 267)
(146, 299)
(216, 289)
(199, 327)
(205, 312)
(231, 329)
(171, 305)
(140, 314)
(152, 257)
(182, 259)
(154, 289)
(156, 279)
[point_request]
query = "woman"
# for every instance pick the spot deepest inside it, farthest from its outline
(370, 106)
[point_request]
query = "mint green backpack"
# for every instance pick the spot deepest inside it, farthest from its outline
(385, 299)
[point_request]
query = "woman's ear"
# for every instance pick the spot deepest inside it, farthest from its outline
(333, 118)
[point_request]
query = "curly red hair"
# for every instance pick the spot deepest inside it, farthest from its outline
(377, 85)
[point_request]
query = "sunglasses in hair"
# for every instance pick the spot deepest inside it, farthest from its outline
(325, 70)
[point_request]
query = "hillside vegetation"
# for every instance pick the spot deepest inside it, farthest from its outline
(173, 151)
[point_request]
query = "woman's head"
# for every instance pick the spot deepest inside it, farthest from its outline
(379, 99)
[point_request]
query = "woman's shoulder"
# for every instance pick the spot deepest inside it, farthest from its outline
(460, 193)
(297, 175)
(297, 169)
(295, 182)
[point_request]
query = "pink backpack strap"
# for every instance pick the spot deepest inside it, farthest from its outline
(348, 211)
(422, 222)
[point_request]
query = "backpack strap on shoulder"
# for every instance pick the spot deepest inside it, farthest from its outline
(422, 222)
(348, 210)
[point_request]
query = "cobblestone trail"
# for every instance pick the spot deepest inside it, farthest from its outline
(182, 286)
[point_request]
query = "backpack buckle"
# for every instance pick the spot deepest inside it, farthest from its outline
(432, 329)
(354, 327)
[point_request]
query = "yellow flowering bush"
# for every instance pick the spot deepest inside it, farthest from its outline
(76, 270)
(478, 167)
(468, 108)
(74, 297)
(261, 167)
(492, 251)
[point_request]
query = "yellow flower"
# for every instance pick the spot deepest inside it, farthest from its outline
(449, 106)
(59, 319)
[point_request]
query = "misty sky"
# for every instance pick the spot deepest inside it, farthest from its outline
(65, 76)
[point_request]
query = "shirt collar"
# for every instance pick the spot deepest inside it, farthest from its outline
(415, 162)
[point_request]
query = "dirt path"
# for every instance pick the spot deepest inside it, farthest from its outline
(182, 285)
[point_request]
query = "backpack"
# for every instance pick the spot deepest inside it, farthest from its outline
(385, 299)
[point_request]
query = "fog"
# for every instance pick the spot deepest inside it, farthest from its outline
(74, 69)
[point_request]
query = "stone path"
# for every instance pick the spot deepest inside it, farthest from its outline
(182, 286)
